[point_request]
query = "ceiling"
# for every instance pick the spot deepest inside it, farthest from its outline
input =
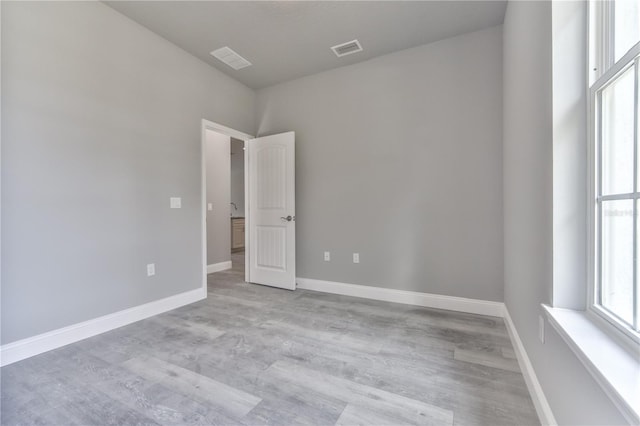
(285, 40)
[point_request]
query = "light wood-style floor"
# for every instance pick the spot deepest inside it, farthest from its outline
(254, 355)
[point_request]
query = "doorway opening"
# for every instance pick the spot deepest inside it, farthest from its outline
(267, 218)
(224, 241)
(237, 227)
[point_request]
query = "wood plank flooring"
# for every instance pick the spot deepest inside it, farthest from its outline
(253, 355)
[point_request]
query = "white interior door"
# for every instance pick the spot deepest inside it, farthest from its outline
(272, 211)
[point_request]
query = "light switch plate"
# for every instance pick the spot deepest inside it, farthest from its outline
(327, 256)
(175, 202)
(151, 269)
(209, 206)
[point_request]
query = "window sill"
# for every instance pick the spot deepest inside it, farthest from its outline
(615, 369)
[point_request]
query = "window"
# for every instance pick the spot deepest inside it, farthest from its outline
(615, 178)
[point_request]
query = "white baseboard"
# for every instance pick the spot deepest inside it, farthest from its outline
(460, 304)
(535, 389)
(31, 346)
(217, 267)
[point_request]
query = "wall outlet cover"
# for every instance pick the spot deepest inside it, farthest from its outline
(151, 269)
(175, 202)
(356, 257)
(210, 206)
(327, 256)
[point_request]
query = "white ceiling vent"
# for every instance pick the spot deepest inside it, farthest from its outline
(231, 58)
(347, 48)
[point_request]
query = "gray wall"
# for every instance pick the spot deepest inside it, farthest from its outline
(237, 176)
(574, 396)
(218, 154)
(400, 159)
(101, 125)
(569, 57)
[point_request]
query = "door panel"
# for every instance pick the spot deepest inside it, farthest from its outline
(271, 244)
(272, 210)
(272, 185)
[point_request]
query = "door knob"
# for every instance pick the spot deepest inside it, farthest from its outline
(287, 219)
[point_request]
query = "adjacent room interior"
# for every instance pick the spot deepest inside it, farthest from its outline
(225, 199)
(320, 212)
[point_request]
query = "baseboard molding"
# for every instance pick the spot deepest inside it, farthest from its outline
(217, 267)
(535, 389)
(460, 304)
(31, 346)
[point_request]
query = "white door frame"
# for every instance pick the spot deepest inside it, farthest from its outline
(227, 131)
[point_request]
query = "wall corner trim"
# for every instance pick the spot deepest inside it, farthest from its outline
(31, 346)
(535, 389)
(217, 267)
(451, 303)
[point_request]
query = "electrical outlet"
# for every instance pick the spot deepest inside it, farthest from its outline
(541, 328)
(327, 256)
(356, 257)
(175, 202)
(151, 269)
(210, 206)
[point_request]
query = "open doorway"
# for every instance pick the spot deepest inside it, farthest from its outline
(267, 218)
(237, 206)
(224, 241)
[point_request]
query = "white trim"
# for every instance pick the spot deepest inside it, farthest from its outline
(613, 365)
(228, 131)
(594, 196)
(0, 173)
(247, 209)
(451, 303)
(31, 346)
(203, 207)
(535, 389)
(217, 267)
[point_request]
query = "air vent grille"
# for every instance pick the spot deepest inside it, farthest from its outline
(347, 48)
(231, 58)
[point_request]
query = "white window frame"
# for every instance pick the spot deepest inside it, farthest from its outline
(603, 70)
(601, 47)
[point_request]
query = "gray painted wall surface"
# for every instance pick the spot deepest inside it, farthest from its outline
(101, 125)
(400, 159)
(569, 22)
(574, 396)
(218, 150)
(237, 176)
